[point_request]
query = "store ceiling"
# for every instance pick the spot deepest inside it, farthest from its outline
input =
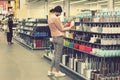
(7, 0)
(86, 2)
(90, 2)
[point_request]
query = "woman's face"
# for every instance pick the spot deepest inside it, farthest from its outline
(57, 13)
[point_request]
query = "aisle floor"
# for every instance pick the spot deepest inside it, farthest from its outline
(19, 63)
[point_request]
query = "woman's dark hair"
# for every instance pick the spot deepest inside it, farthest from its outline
(58, 9)
(52, 10)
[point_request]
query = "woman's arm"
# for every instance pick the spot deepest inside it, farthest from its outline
(60, 26)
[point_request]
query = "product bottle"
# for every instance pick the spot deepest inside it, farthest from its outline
(76, 63)
(71, 62)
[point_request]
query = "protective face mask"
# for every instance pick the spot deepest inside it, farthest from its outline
(57, 15)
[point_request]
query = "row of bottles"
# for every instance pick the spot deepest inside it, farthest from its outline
(34, 31)
(85, 14)
(102, 16)
(106, 19)
(106, 28)
(25, 39)
(92, 49)
(35, 34)
(105, 51)
(28, 28)
(109, 16)
(40, 43)
(33, 43)
(91, 67)
(94, 38)
(107, 13)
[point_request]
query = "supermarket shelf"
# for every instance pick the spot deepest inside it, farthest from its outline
(69, 71)
(25, 29)
(29, 46)
(23, 43)
(30, 22)
(29, 25)
(96, 55)
(26, 34)
(99, 22)
(33, 36)
(83, 52)
(95, 32)
(42, 25)
(74, 72)
(41, 48)
(45, 56)
(14, 28)
(97, 44)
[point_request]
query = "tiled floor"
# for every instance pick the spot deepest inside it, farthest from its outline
(19, 63)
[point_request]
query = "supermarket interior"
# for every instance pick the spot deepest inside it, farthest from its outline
(31, 38)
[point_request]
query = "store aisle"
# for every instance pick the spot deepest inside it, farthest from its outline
(19, 63)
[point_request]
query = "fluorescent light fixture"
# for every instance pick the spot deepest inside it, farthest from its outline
(104, 4)
(77, 1)
(96, 2)
(91, 3)
(57, 1)
(117, 2)
(102, 1)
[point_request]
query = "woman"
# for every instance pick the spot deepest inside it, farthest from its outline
(57, 32)
(9, 32)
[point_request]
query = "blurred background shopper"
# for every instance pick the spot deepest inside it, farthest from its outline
(8, 23)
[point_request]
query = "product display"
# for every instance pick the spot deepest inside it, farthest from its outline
(34, 34)
(93, 68)
(96, 44)
(92, 48)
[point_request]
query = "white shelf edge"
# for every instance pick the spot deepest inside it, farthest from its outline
(29, 46)
(73, 71)
(84, 52)
(41, 48)
(23, 43)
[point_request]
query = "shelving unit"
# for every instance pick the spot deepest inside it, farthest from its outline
(33, 34)
(92, 49)
(100, 48)
(23, 43)
(95, 32)
(68, 71)
(96, 44)
(98, 23)
(83, 51)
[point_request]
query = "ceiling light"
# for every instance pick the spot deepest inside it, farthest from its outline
(96, 2)
(77, 1)
(91, 3)
(117, 2)
(102, 1)
(104, 4)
